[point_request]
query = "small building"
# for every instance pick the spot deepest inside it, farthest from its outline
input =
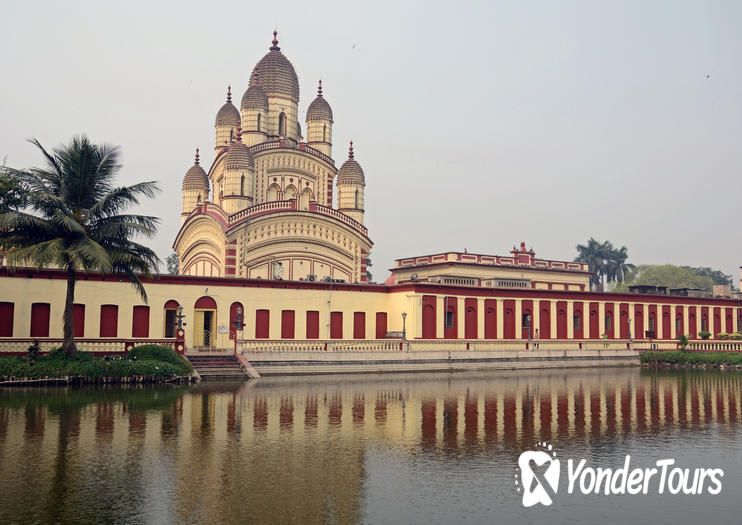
(520, 270)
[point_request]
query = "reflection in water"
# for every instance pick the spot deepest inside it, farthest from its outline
(316, 449)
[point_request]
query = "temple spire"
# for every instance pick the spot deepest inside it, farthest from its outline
(319, 89)
(229, 94)
(197, 164)
(275, 47)
(350, 152)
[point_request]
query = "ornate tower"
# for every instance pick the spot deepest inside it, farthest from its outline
(254, 115)
(319, 124)
(351, 184)
(195, 188)
(227, 121)
(277, 78)
(235, 185)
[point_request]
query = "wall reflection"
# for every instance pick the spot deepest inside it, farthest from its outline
(294, 449)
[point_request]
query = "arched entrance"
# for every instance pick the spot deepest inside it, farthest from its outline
(170, 318)
(204, 322)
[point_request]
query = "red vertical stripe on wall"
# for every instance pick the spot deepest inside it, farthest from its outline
(610, 313)
(312, 324)
(140, 322)
(359, 325)
(692, 323)
(679, 315)
(667, 322)
(579, 331)
(509, 319)
(262, 324)
(109, 320)
(526, 309)
(624, 321)
(471, 326)
(451, 305)
(717, 322)
(561, 319)
(639, 327)
(336, 325)
(40, 319)
(6, 319)
(429, 315)
(544, 320)
(381, 325)
(287, 324)
(78, 319)
(594, 321)
(490, 319)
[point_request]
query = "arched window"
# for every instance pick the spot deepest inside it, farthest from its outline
(231, 135)
(324, 132)
(242, 185)
(289, 193)
(272, 193)
(282, 124)
(356, 200)
(198, 199)
(258, 121)
(306, 197)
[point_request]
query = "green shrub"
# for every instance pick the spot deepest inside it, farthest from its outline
(146, 360)
(704, 334)
(692, 358)
(722, 336)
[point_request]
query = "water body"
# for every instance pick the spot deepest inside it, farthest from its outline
(419, 448)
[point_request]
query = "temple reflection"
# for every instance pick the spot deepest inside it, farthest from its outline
(289, 449)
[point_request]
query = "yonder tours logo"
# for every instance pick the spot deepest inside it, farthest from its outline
(540, 472)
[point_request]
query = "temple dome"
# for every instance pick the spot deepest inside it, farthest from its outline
(238, 155)
(195, 178)
(351, 172)
(228, 114)
(319, 109)
(275, 74)
(254, 98)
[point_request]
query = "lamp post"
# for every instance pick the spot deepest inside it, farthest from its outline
(528, 324)
(237, 323)
(179, 317)
(404, 329)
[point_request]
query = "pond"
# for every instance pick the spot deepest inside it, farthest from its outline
(396, 448)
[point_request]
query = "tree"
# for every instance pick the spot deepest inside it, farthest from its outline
(607, 263)
(369, 264)
(74, 220)
(594, 253)
(11, 191)
(172, 263)
(667, 275)
(617, 269)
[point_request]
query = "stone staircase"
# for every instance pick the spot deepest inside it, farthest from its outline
(218, 367)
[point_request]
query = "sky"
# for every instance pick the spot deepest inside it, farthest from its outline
(478, 124)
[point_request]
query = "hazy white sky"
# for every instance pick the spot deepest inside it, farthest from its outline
(478, 125)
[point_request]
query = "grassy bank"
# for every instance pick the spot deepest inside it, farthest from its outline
(153, 362)
(691, 358)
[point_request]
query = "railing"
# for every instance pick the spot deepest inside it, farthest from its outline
(288, 205)
(99, 346)
(714, 346)
(263, 207)
(341, 217)
(275, 144)
(442, 345)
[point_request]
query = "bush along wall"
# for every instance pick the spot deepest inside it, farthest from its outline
(692, 359)
(144, 364)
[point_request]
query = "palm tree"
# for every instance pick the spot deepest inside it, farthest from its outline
(617, 269)
(595, 254)
(74, 220)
